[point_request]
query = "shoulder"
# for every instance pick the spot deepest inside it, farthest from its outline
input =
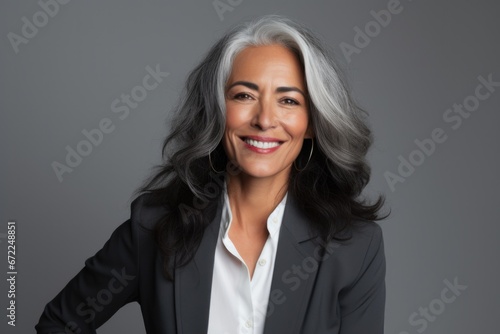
(365, 231)
(370, 242)
(144, 213)
(352, 257)
(363, 239)
(143, 217)
(136, 233)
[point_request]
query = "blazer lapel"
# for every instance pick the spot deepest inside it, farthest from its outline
(193, 283)
(294, 273)
(293, 277)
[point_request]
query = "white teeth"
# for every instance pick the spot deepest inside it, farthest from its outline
(262, 144)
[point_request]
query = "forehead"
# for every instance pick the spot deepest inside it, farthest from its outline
(268, 61)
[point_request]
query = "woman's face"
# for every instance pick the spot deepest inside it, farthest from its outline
(266, 111)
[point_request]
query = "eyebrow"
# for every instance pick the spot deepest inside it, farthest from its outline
(253, 86)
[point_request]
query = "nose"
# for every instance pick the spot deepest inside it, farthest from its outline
(264, 115)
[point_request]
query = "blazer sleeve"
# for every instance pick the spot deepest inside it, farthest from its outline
(108, 281)
(363, 303)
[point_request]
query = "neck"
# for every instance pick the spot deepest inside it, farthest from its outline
(257, 192)
(253, 199)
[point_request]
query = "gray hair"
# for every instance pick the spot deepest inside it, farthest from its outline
(337, 122)
(330, 185)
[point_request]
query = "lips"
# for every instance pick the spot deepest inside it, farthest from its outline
(262, 144)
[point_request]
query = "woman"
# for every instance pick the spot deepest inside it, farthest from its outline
(254, 223)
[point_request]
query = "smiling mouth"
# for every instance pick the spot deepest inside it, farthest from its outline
(262, 144)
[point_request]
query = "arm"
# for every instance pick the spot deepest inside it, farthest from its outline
(363, 304)
(108, 281)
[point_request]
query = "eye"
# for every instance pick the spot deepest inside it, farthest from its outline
(242, 96)
(290, 101)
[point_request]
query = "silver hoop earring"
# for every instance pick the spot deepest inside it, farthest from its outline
(212, 166)
(310, 155)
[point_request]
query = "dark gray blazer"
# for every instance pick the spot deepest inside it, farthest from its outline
(341, 290)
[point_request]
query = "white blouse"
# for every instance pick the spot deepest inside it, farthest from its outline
(238, 304)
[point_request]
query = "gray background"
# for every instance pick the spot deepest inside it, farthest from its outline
(444, 222)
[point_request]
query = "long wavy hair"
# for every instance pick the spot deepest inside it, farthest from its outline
(330, 185)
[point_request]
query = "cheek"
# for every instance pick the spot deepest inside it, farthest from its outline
(297, 126)
(234, 121)
(235, 117)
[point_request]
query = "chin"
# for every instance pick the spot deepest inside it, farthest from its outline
(265, 171)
